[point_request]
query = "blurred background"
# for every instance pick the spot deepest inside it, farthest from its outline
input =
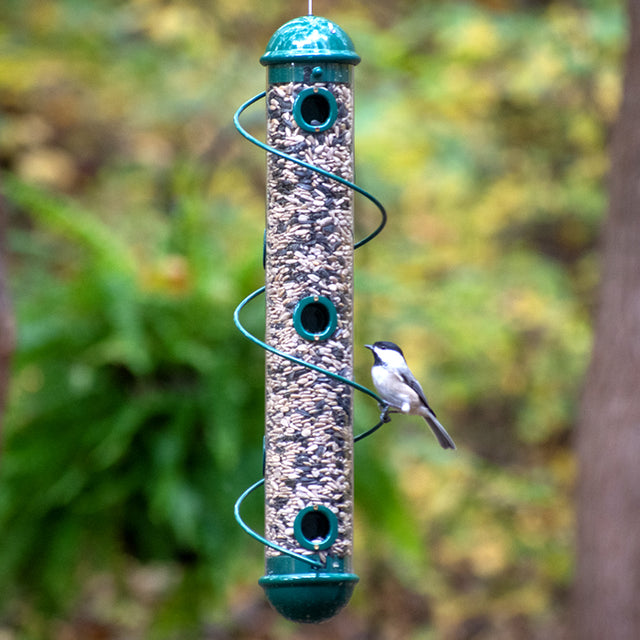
(132, 225)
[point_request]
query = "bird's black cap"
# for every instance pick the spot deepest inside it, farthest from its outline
(383, 344)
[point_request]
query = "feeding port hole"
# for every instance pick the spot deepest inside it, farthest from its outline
(315, 318)
(316, 527)
(315, 109)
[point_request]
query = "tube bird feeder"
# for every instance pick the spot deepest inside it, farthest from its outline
(308, 258)
(309, 314)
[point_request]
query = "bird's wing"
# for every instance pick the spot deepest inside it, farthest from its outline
(410, 380)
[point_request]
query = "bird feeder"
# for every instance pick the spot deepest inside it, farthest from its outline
(309, 314)
(308, 259)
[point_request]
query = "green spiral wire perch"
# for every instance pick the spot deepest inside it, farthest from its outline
(308, 258)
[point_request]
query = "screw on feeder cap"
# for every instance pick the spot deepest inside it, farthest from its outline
(308, 39)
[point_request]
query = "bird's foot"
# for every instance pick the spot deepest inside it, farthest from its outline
(384, 415)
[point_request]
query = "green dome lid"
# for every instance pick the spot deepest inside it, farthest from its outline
(302, 595)
(307, 39)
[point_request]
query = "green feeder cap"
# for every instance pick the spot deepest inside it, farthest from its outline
(309, 38)
(303, 595)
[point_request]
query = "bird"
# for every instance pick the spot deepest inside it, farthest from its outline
(400, 390)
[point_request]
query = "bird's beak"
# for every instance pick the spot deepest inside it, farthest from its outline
(369, 346)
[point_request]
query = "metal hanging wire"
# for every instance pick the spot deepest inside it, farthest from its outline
(384, 416)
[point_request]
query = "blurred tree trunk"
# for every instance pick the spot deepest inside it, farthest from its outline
(607, 593)
(6, 317)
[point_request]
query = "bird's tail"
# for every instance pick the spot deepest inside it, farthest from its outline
(439, 432)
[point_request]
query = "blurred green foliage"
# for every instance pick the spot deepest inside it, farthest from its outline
(136, 408)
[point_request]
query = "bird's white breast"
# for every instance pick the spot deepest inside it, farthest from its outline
(393, 389)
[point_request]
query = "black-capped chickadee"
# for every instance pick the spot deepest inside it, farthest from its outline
(398, 387)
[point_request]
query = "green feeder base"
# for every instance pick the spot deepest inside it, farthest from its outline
(301, 594)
